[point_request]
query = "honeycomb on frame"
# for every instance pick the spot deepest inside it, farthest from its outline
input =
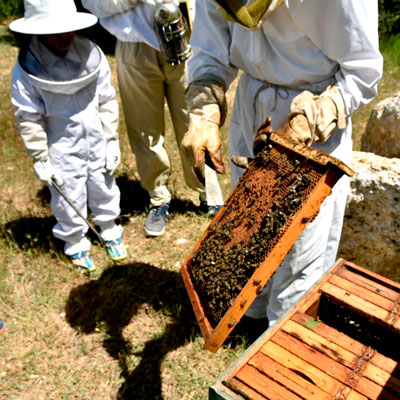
(278, 195)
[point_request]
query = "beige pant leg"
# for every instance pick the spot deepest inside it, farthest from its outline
(145, 79)
(141, 85)
(175, 86)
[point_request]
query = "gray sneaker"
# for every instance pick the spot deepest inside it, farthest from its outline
(156, 219)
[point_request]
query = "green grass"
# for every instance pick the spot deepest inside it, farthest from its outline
(126, 331)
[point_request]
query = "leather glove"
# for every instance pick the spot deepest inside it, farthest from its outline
(262, 136)
(203, 136)
(113, 156)
(207, 110)
(259, 143)
(45, 171)
(323, 114)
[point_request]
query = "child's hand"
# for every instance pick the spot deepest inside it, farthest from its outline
(45, 171)
(113, 156)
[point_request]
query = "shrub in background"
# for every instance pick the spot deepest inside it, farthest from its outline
(11, 8)
(389, 18)
(389, 13)
(389, 21)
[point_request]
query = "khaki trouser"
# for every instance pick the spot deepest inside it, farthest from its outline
(145, 79)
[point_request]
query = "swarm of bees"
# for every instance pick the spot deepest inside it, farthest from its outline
(257, 213)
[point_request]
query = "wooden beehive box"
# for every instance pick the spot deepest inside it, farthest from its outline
(278, 195)
(341, 341)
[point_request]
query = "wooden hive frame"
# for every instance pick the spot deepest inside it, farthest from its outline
(331, 170)
(312, 353)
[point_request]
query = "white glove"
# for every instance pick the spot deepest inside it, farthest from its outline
(113, 156)
(45, 171)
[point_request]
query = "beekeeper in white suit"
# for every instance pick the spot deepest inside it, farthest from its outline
(146, 80)
(317, 58)
(67, 115)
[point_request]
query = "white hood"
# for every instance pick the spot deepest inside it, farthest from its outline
(38, 63)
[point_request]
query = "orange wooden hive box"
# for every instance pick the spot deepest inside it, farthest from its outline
(341, 341)
(278, 195)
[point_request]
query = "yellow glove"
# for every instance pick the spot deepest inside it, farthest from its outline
(205, 102)
(323, 114)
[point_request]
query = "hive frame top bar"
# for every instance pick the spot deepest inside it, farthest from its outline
(311, 153)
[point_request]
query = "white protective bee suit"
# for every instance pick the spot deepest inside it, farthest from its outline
(146, 80)
(301, 45)
(67, 112)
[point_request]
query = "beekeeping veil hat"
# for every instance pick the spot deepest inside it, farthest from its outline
(48, 17)
(249, 13)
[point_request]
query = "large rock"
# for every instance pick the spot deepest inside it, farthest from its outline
(383, 129)
(371, 230)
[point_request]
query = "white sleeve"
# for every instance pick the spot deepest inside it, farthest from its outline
(29, 111)
(108, 104)
(109, 115)
(210, 41)
(34, 138)
(348, 35)
(105, 8)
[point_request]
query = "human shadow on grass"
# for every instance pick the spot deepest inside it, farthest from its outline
(110, 302)
(135, 200)
(32, 233)
(35, 232)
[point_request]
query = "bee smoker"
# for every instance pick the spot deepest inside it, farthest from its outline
(172, 31)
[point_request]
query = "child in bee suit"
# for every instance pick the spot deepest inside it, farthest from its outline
(67, 115)
(313, 58)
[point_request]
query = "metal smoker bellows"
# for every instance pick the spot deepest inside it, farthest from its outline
(278, 195)
(172, 32)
